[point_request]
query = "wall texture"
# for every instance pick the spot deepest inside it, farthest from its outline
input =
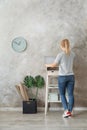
(43, 23)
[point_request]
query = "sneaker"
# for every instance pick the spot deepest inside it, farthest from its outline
(67, 114)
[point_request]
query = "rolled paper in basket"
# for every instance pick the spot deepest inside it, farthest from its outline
(18, 89)
(22, 92)
(25, 92)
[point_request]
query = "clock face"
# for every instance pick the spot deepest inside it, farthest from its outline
(19, 44)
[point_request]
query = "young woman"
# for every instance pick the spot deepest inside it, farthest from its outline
(66, 78)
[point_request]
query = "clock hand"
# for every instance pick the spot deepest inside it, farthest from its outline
(16, 42)
(19, 43)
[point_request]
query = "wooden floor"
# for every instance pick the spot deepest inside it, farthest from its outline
(52, 121)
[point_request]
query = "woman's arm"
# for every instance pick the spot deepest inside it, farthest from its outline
(51, 65)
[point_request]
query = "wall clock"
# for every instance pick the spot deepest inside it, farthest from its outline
(19, 44)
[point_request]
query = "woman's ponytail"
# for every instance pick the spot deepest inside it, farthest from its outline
(67, 50)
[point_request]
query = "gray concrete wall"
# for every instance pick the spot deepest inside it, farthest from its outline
(43, 23)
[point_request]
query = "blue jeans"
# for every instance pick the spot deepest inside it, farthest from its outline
(66, 83)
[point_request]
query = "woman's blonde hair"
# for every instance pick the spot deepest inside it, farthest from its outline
(66, 45)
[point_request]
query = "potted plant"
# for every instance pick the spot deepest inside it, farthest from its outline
(30, 82)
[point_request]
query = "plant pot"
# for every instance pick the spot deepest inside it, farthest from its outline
(30, 107)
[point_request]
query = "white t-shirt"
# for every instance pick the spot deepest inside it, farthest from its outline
(65, 63)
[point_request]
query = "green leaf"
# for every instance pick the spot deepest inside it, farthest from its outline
(39, 81)
(29, 81)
